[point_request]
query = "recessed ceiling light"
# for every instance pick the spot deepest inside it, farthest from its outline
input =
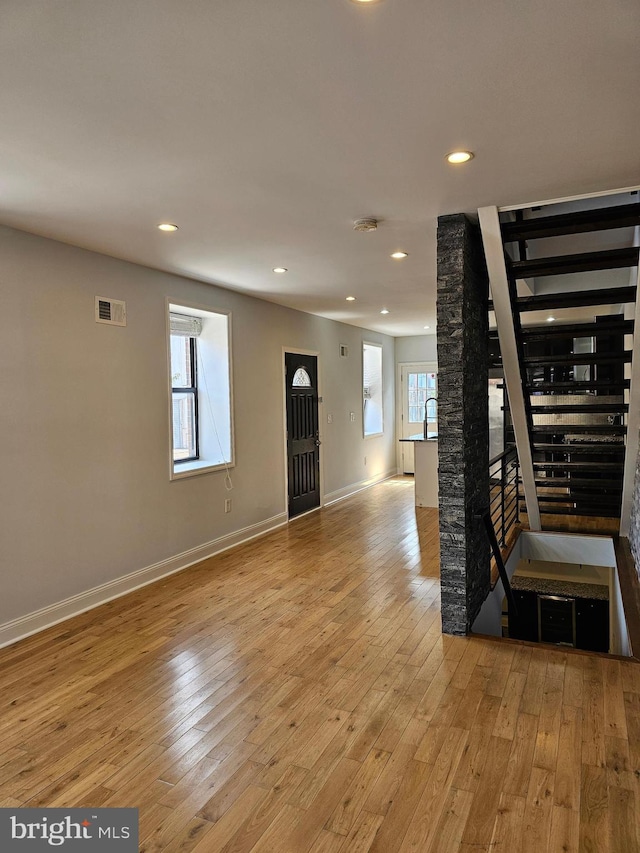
(551, 319)
(399, 255)
(460, 156)
(351, 298)
(426, 327)
(280, 269)
(167, 226)
(384, 311)
(364, 2)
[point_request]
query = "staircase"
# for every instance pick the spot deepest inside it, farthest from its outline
(574, 375)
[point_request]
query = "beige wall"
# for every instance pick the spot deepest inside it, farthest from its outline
(416, 348)
(86, 495)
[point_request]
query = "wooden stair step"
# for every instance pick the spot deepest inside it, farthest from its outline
(608, 259)
(603, 512)
(582, 385)
(588, 408)
(586, 447)
(579, 429)
(578, 358)
(579, 466)
(576, 299)
(605, 500)
(578, 483)
(572, 330)
(558, 331)
(580, 222)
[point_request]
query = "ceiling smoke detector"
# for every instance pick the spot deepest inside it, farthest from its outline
(366, 224)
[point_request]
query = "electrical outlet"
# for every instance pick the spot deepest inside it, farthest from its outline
(329, 419)
(365, 460)
(352, 416)
(227, 505)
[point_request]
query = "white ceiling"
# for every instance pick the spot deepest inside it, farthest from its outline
(263, 128)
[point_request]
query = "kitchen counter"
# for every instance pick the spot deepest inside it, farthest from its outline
(566, 589)
(426, 469)
(420, 437)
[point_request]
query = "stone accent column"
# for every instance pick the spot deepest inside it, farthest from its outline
(463, 421)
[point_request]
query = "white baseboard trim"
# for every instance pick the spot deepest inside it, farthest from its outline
(347, 491)
(37, 621)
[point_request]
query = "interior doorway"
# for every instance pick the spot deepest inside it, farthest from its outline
(303, 436)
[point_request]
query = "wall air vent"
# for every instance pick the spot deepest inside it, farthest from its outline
(113, 312)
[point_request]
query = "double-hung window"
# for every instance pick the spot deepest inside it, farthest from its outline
(184, 387)
(200, 389)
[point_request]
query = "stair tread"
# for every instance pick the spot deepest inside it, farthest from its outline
(572, 330)
(582, 385)
(579, 222)
(565, 482)
(596, 500)
(577, 330)
(599, 447)
(580, 466)
(579, 429)
(578, 358)
(601, 512)
(607, 259)
(576, 299)
(568, 408)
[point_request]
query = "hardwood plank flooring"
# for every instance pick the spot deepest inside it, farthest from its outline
(296, 694)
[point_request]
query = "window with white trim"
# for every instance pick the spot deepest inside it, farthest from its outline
(372, 389)
(200, 389)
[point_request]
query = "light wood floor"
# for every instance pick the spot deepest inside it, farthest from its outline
(577, 524)
(297, 695)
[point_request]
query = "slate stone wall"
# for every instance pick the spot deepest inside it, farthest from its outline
(463, 421)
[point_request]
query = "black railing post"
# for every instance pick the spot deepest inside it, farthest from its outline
(502, 571)
(503, 475)
(503, 486)
(517, 490)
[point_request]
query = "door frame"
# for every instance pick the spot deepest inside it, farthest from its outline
(316, 353)
(429, 367)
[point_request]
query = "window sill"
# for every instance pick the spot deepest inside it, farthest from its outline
(198, 466)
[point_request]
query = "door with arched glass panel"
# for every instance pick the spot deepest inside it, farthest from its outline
(303, 438)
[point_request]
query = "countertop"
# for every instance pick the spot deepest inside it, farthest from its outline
(420, 437)
(567, 589)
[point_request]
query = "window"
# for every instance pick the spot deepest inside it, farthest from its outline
(372, 389)
(184, 392)
(422, 386)
(199, 379)
(301, 379)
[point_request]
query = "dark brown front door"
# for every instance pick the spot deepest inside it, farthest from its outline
(303, 443)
